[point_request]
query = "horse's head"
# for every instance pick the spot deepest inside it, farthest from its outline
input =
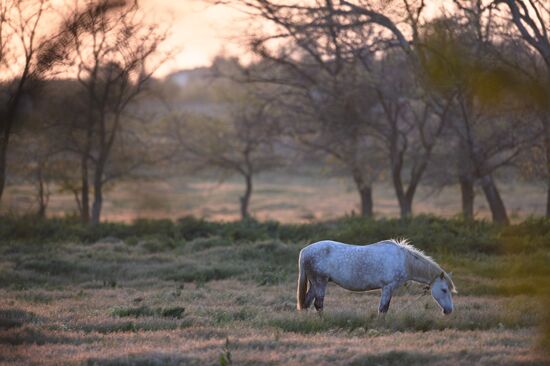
(442, 287)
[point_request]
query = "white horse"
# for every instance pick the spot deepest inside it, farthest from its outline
(384, 265)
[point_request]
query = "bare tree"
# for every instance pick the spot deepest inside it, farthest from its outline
(26, 56)
(326, 35)
(320, 75)
(532, 22)
(487, 130)
(243, 143)
(30, 162)
(334, 36)
(111, 52)
(332, 116)
(409, 125)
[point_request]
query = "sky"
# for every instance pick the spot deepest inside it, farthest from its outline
(198, 31)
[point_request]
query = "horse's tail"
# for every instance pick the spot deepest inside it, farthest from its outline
(302, 285)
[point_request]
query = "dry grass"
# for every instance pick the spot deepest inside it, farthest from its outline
(116, 304)
(262, 328)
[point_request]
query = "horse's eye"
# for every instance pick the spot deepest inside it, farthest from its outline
(444, 291)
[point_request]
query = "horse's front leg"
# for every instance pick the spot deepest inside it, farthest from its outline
(385, 300)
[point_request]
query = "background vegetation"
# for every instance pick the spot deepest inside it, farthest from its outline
(121, 192)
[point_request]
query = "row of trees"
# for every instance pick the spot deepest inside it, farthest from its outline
(385, 91)
(68, 94)
(448, 99)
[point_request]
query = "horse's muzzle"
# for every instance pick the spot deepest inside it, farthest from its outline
(447, 311)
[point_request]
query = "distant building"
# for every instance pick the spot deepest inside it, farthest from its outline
(184, 77)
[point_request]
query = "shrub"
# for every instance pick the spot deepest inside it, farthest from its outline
(136, 312)
(189, 228)
(54, 267)
(10, 318)
(430, 233)
(207, 243)
(204, 273)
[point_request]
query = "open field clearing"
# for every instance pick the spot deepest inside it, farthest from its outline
(282, 197)
(163, 163)
(212, 301)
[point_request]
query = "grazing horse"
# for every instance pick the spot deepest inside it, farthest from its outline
(384, 265)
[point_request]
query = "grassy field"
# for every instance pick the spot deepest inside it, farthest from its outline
(199, 293)
(284, 197)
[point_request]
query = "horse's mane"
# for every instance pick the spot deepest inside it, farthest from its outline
(425, 265)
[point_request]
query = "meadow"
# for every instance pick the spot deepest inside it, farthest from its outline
(195, 292)
(286, 196)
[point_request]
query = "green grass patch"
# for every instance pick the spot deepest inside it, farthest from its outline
(31, 335)
(130, 326)
(472, 317)
(136, 312)
(395, 358)
(10, 318)
(430, 233)
(147, 359)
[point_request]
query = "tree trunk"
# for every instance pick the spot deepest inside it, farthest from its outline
(7, 121)
(366, 201)
(365, 194)
(97, 205)
(85, 200)
(98, 193)
(404, 198)
(397, 164)
(42, 195)
(468, 197)
(546, 127)
(245, 199)
(405, 206)
(4, 140)
(498, 210)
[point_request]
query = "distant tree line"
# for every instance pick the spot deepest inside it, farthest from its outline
(445, 99)
(384, 92)
(66, 93)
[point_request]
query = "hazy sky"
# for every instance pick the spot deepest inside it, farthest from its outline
(198, 32)
(201, 31)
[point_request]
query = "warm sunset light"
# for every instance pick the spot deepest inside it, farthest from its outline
(274, 182)
(199, 31)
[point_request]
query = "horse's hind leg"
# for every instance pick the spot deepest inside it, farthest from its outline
(310, 296)
(320, 288)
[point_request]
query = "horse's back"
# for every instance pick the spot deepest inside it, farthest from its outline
(356, 267)
(328, 247)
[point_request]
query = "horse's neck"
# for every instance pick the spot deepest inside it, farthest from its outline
(421, 270)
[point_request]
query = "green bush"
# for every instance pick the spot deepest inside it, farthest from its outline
(204, 273)
(54, 267)
(136, 312)
(12, 317)
(190, 228)
(206, 243)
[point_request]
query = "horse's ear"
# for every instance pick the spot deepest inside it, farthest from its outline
(442, 275)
